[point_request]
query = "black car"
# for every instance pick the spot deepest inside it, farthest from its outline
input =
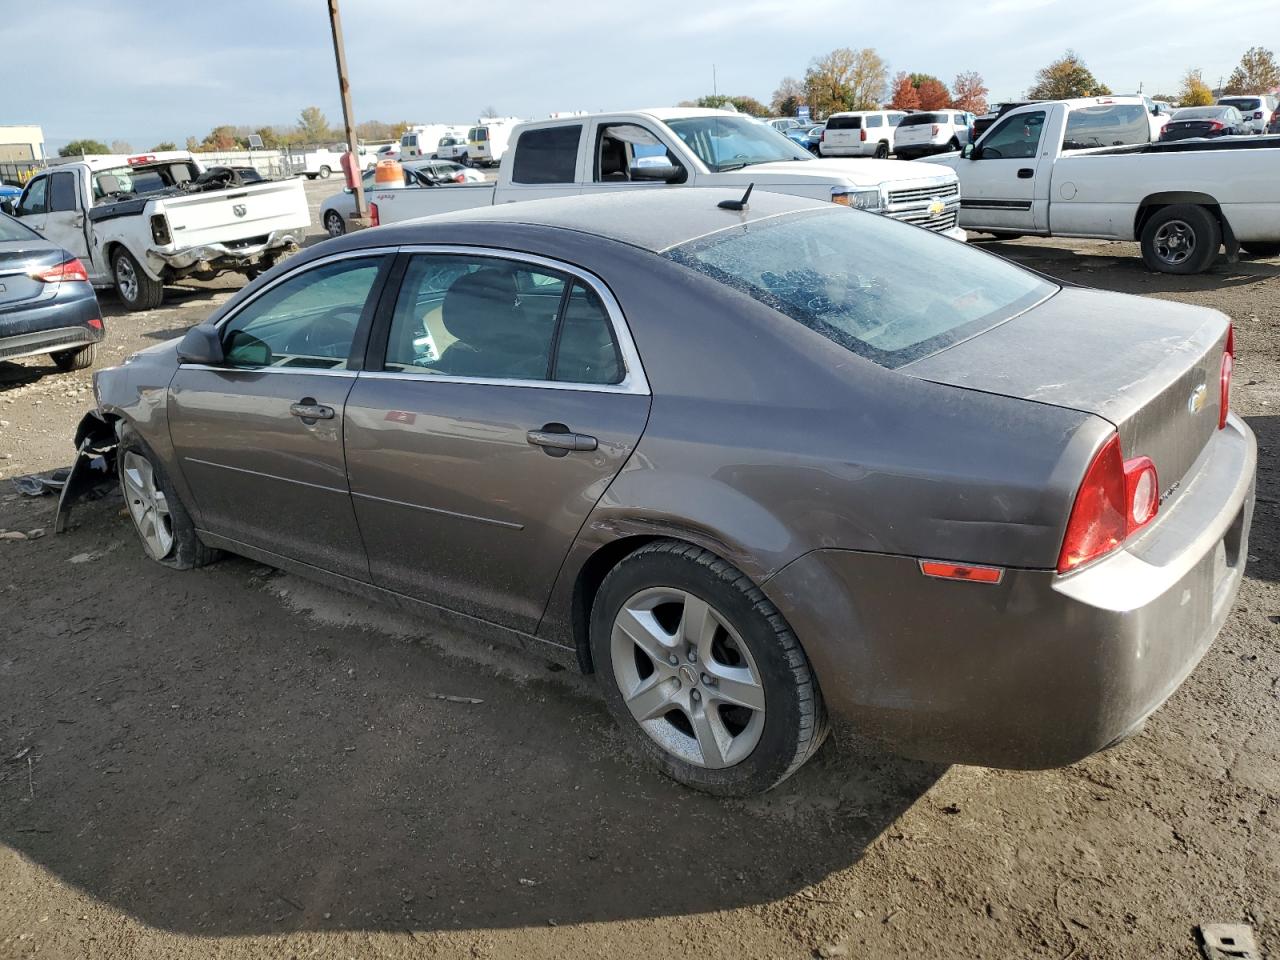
(1217, 121)
(46, 302)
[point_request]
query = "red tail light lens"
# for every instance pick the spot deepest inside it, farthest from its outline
(936, 128)
(862, 135)
(1116, 498)
(1257, 115)
(1224, 379)
(1215, 125)
(71, 269)
(94, 324)
(373, 215)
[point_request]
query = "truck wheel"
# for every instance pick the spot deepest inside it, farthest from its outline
(335, 224)
(882, 151)
(136, 290)
(1262, 249)
(82, 359)
(324, 173)
(1181, 239)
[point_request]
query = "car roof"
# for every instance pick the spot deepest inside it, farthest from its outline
(654, 220)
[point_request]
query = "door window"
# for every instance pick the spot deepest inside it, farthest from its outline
(35, 200)
(622, 147)
(548, 155)
(62, 192)
(495, 319)
(875, 120)
(1018, 137)
(308, 321)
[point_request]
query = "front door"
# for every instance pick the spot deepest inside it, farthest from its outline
(999, 185)
(507, 399)
(64, 224)
(259, 439)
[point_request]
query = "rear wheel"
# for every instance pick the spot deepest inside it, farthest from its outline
(324, 173)
(136, 290)
(335, 224)
(1262, 249)
(1181, 239)
(702, 673)
(882, 151)
(954, 144)
(166, 530)
(81, 359)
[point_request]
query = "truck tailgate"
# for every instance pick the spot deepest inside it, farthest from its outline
(222, 216)
(409, 203)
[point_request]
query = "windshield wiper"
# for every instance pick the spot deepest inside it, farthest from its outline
(726, 167)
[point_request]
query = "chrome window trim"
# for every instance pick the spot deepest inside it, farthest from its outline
(634, 380)
(316, 372)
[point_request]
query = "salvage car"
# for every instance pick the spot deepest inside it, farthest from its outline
(988, 519)
(46, 302)
(139, 222)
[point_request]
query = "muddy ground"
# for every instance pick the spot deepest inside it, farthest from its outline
(234, 762)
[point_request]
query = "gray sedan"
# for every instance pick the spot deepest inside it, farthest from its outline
(748, 466)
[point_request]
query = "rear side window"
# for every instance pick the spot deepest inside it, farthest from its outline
(1110, 125)
(844, 123)
(548, 155)
(854, 278)
(875, 121)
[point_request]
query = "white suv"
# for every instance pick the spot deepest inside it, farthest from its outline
(920, 134)
(1257, 110)
(860, 133)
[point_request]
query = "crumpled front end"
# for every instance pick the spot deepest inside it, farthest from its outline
(233, 255)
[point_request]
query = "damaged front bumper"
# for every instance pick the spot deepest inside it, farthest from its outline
(95, 464)
(235, 255)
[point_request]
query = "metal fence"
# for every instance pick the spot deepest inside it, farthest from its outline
(18, 172)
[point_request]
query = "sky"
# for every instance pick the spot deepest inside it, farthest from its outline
(143, 71)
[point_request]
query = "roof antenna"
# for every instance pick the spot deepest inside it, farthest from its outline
(737, 204)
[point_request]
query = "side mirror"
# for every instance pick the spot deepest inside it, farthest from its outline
(201, 344)
(7, 207)
(969, 153)
(664, 172)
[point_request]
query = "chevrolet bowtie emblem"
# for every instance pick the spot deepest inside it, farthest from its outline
(937, 208)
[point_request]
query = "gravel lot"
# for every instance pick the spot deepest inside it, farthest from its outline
(234, 762)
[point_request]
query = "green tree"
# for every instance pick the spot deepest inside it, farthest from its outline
(787, 98)
(164, 145)
(193, 144)
(1257, 73)
(751, 106)
(846, 79)
(714, 101)
(1066, 77)
(270, 139)
(78, 148)
(222, 137)
(1194, 91)
(313, 127)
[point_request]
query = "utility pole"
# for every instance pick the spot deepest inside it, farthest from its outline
(344, 88)
(714, 91)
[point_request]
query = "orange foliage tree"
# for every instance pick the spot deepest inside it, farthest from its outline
(904, 95)
(969, 93)
(933, 94)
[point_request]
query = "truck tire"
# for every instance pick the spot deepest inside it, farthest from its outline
(82, 359)
(1182, 239)
(1261, 248)
(136, 290)
(324, 173)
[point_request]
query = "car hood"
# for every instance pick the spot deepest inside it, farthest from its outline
(851, 171)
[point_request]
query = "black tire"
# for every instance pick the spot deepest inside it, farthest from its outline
(953, 146)
(82, 359)
(309, 176)
(324, 173)
(794, 723)
(188, 551)
(147, 294)
(335, 224)
(1261, 249)
(882, 151)
(1195, 253)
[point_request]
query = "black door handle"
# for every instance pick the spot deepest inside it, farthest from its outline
(556, 440)
(308, 411)
(1026, 173)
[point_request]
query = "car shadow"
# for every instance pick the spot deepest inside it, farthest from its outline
(225, 767)
(20, 374)
(1264, 539)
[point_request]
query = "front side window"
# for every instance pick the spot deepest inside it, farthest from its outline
(731, 143)
(308, 321)
(1017, 138)
(1107, 125)
(36, 199)
(622, 147)
(547, 155)
(481, 317)
(855, 278)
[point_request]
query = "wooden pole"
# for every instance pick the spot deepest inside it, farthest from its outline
(344, 89)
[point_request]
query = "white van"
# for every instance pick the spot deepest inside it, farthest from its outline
(860, 133)
(487, 142)
(421, 141)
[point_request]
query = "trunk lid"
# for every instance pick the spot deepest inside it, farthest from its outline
(239, 213)
(18, 260)
(1136, 362)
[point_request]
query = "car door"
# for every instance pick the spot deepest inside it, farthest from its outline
(620, 151)
(546, 163)
(33, 206)
(259, 437)
(501, 400)
(1000, 182)
(64, 223)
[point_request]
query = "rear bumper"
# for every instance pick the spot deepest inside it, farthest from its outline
(61, 323)
(1039, 670)
(908, 151)
(224, 256)
(866, 149)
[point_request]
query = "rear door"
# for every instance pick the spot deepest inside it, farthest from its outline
(1006, 185)
(546, 163)
(502, 396)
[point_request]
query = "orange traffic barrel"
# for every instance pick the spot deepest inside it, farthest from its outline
(388, 173)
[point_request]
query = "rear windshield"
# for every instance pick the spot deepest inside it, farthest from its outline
(844, 123)
(1242, 103)
(478, 134)
(1106, 125)
(884, 290)
(915, 119)
(1198, 113)
(11, 229)
(139, 180)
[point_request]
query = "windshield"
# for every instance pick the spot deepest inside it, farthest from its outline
(888, 291)
(730, 143)
(11, 229)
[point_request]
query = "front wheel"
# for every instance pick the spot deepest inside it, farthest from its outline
(135, 288)
(1262, 249)
(335, 224)
(702, 673)
(82, 359)
(1181, 239)
(160, 519)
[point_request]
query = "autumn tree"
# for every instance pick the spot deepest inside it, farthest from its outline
(969, 93)
(1257, 73)
(313, 126)
(934, 94)
(787, 98)
(845, 79)
(77, 148)
(1066, 77)
(904, 95)
(1194, 92)
(222, 137)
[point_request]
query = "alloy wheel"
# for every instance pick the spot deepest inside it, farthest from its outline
(126, 278)
(1174, 242)
(147, 505)
(687, 677)
(334, 224)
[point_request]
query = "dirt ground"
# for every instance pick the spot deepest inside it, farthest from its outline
(236, 763)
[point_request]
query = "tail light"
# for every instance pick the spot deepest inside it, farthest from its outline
(94, 324)
(1215, 125)
(160, 229)
(1224, 379)
(862, 135)
(934, 131)
(373, 215)
(1116, 498)
(1257, 115)
(823, 136)
(460, 178)
(68, 270)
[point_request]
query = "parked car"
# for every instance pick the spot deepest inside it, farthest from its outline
(337, 210)
(1255, 111)
(1207, 122)
(47, 304)
(921, 134)
(783, 124)
(451, 148)
(137, 223)
(813, 137)
(796, 505)
(1274, 125)
(860, 133)
(677, 148)
(1158, 115)
(1040, 171)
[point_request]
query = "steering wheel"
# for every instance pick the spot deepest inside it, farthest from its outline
(331, 335)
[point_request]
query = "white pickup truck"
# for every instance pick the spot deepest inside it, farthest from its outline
(1083, 168)
(670, 148)
(140, 222)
